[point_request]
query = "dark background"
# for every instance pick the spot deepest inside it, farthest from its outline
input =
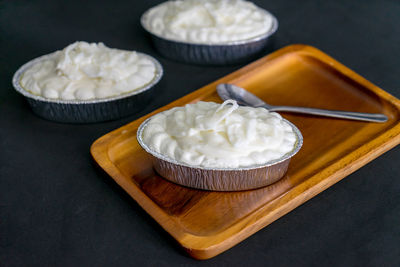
(57, 209)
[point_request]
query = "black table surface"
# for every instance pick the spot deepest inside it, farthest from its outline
(58, 209)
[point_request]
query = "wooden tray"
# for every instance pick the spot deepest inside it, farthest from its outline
(208, 223)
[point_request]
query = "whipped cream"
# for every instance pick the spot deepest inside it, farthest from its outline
(207, 21)
(208, 134)
(84, 71)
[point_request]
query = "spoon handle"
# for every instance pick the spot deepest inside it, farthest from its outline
(374, 117)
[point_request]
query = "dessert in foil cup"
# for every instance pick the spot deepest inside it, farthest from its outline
(220, 179)
(211, 53)
(87, 111)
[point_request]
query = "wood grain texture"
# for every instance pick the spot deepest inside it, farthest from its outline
(208, 223)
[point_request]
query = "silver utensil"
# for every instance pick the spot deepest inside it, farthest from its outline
(243, 97)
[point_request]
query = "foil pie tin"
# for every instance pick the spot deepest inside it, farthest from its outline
(87, 111)
(213, 54)
(220, 179)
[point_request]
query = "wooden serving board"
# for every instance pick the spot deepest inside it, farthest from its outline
(208, 223)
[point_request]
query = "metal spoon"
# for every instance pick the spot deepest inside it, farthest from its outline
(243, 97)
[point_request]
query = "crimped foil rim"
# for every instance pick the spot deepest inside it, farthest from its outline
(18, 74)
(298, 145)
(270, 32)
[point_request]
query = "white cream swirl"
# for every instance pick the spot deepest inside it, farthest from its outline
(207, 21)
(208, 134)
(84, 71)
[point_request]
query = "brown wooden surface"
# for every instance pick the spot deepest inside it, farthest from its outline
(208, 223)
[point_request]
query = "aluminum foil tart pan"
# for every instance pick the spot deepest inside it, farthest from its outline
(87, 111)
(221, 179)
(214, 54)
